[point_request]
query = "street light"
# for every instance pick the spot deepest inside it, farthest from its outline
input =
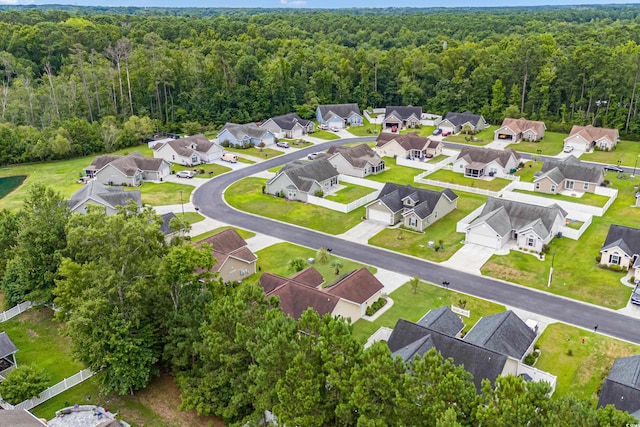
(553, 258)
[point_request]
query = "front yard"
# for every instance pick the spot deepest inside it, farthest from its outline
(349, 193)
(397, 174)
(451, 177)
(247, 196)
(210, 169)
(262, 153)
(627, 152)
(367, 129)
(422, 131)
(481, 138)
(551, 144)
(410, 306)
(323, 134)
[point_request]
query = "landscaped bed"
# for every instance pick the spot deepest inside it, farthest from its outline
(349, 193)
(247, 196)
(480, 139)
(451, 177)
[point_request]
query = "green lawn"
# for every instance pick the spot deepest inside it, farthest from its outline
(410, 306)
(263, 153)
(10, 183)
(275, 259)
(165, 193)
(423, 131)
(190, 217)
(40, 343)
(437, 159)
(298, 143)
(452, 177)
(350, 193)
(551, 144)
(627, 152)
(366, 130)
(243, 233)
(416, 244)
(482, 138)
(246, 195)
(323, 134)
(586, 199)
(247, 161)
(210, 170)
(398, 174)
(581, 373)
(527, 173)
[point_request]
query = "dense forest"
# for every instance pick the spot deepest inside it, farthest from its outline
(72, 77)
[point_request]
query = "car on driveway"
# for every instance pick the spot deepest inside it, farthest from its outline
(282, 144)
(335, 130)
(185, 174)
(446, 133)
(613, 168)
(635, 296)
(436, 132)
(568, 148)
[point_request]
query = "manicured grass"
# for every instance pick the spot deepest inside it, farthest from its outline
(581, 373)
(211, 169)
(243, 233)
(366, 130)
(551, 144)
(275, 259)
(10, 183)
(165, 193)
(482, 138)
(626, 151)
(423, 131)
(527, 173)
(586, 199)
(297, 143)
(416, 244)
(37, 336)
(246, 195)
(323, 134)
(350, 193)
(263, 153)
(398, 174)
(574, 224)
(355, 144)
(243, 160)
(452, 177)
(190, 217)
(410, 306)
(437, 159)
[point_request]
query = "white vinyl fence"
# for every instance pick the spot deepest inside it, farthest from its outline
(14, 311)
(343, 207)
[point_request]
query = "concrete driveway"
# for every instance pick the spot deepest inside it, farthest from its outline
(469, 258)
(362, 232)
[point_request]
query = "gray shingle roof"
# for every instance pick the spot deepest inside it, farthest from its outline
(627, 238)
(482, 155)
(503, 332)
(7, 346)
(403, 113)
(571, 168)
(393, 194)
(442, 320)
(408, 141)
(303, 174)
(357, 156)
(239, 131)
(166, 223)
(128, 164)
(622, 386)
(288, 121)
(107, 196)
(480, 362)
(340, 110)
(459, 119)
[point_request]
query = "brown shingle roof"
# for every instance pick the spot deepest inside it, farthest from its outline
(357, 156)
(309, 277)
(358, 286)
(296, 298)
(228, 243)
(520, 125)
(269, 281)
(483, 155)
(183, 146)
(128, 164)
(592, 133)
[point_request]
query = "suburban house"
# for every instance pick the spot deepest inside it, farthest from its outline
(8, 352)
(456, 122)
(94, 193)
(622, 248)
(476, 162)
(568, 174)
(290, 126)
(189, 151)
(245, 135)
(339, 115)
(298, 179)
(586, 138)
(358, 161)
(505, 333)
(165, 228)
(348, 297)
(234, 260)
(401, 117)
(503, 221)
(516, 130)
(443, 320)
(410, 145)
(621, 388)
(480, 359)
(20, 418)
(417, 208)
(129, 170)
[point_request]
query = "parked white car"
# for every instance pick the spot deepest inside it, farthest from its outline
(185, 174)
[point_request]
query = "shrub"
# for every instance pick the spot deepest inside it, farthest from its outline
(377, 305)
(264, 189)
(545, 249)
(225, 144)
(530, 359)
(319, 193)
(598, 258)
(24, 382)
(201, 170)
(569, 352)
(262, 144)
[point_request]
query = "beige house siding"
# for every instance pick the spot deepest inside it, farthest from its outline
(625, 260)
(347, 309)
(391, 149)
(434, 152)
(578, 143)
(109, 175)
(605, 144)
(345, 168)
(546, 185)
(378, 206)
(510, 367)
(233, 269)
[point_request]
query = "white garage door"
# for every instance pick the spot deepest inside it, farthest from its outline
(446, 128)
(478, 239)
(377, 215)
(297, 133)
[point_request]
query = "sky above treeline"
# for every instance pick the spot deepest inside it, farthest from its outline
(313, 4)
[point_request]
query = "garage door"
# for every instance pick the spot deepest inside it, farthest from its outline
(478, 239)
(377, 215)
(446, 128)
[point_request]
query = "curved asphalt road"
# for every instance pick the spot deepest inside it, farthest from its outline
(209, 199)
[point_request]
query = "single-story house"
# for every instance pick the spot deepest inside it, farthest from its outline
(621, 388)
(476, 162)
(586, 138)
(456, 122)
(443, 320)
(94, 193)
(358, 161)
(243, 135)
(348, 297)
(234, 260)
(505, 333)
(288, 126)
(568, 174)
(165, 228)
(516, 130)
(189, 151)
(298, 179)
(410, 145)
(401, 117)
(417, 208)
(503, 221)
(8, 352)
(622, 247)
(339, 115)
(129, 170)
(20, 418)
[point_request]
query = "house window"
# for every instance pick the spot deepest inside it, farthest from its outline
(553, 188)
(614, 258)
(603, 145)
(413, 222)
(569, 184)
(585, 186)
(435, 215)
(531, 242)
(537, 185)
(174, 157)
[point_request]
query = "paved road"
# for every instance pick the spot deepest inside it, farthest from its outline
(209, 200)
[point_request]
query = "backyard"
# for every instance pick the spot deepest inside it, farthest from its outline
(165, 193)
(443, 175)
(590, 199)
(410, 306)
(247, 196)
(366, 130)
(349, 193)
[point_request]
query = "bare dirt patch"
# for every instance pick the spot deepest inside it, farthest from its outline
(32, 333)
(507, 273)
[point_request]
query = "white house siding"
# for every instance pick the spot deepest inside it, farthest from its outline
(345, 168)
(505, 130)
(459, 165)
(273, 127)
(483, 235)
(578, 143)
(336, 122)
(447, 126)
(233, 269)
(510, 367)
(391, 149)
(625, 260)
(523, 241)
(377, 211)
(214, 153)
(604, 144)
(109, 175)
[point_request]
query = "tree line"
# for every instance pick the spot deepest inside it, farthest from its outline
(134, 304)
(101, 66)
